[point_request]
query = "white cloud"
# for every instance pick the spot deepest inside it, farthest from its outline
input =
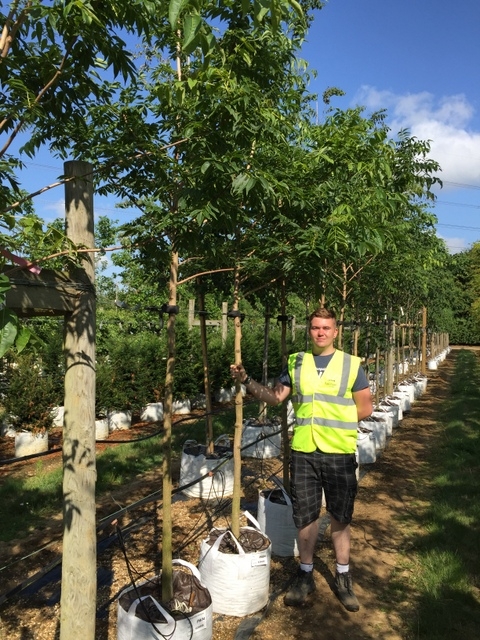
(455, 245)
(104, 262)
(444, 121)
(55, 206)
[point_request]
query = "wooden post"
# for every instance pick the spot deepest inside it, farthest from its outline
(397, 355)
(262, 406)
(356, 333)
(210, 445)
(390, 357)
(285, 438)
(224, 322)
(424, 340)
(79, 571)
(191, 313)
(377, 377)
(209, 323)
(237, 438)
(167, 567)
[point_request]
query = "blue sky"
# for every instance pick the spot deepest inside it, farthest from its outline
(419, 60)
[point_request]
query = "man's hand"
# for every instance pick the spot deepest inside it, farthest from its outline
(238, 372)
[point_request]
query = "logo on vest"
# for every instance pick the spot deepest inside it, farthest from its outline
(330, 382)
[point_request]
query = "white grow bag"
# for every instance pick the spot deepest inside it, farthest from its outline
(366, 449)
(101, 429)
(393, 409)
(153, 412)
(421, 384)
(238, 582)
(404, 398)
(133, 622)
(194, 464)
(28, 443)
(409, 388)
(275, 518)
(385, 416)
(119, 420)
(398, 402)
(379, 430)
(268, 447)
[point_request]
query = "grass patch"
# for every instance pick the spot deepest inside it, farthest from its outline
(24, 502)
(446, 555)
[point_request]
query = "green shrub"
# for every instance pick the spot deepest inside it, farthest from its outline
(30, 395)
(131, 375)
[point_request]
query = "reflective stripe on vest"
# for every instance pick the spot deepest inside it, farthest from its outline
(326, 414)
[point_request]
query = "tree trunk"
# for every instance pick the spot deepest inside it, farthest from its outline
(356, 333)
(424, 340)
(285, 438)
(342, 309)
(377, 377)
(206, 377)
(389, 359)
(79, 557)
(167, 589)
(237, 440)
(262, 406)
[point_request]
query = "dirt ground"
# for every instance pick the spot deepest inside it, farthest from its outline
(390, 491)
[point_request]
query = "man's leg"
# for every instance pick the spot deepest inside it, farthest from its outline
(341, 540)
(340, 489)
(303, 584)
(307, 539)
(343, 579)
(306, 499)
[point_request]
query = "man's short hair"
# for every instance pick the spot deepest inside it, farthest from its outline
(323, 312)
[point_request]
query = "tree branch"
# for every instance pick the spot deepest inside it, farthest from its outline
(262, 286)
(11, 27)
(204, 273)
(100, 168)
(40, 95)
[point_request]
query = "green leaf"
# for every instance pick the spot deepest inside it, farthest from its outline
(23, 338)
(8, 220)
(239, 183)
(5, 283)
(191, 28)
(296, 6)
(174, 11)
(8, 330)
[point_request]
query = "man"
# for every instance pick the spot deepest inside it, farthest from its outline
(330, 394)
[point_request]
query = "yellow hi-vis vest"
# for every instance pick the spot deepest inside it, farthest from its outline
(325, 412)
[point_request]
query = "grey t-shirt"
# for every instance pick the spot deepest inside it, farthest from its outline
(321, 363)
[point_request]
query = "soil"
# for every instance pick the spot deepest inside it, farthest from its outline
(390, 491)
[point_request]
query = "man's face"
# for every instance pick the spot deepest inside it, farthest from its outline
(323, 332)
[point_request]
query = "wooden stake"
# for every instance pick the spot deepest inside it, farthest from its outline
(79, 575)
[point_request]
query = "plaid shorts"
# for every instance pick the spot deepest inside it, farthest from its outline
(332, 472)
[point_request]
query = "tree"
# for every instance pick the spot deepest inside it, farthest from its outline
(213, 108)
(49, 60)
(461, 307)
(58, 59)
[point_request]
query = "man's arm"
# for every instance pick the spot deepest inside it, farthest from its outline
(363, 401)
(279, 393)
(274, 396)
